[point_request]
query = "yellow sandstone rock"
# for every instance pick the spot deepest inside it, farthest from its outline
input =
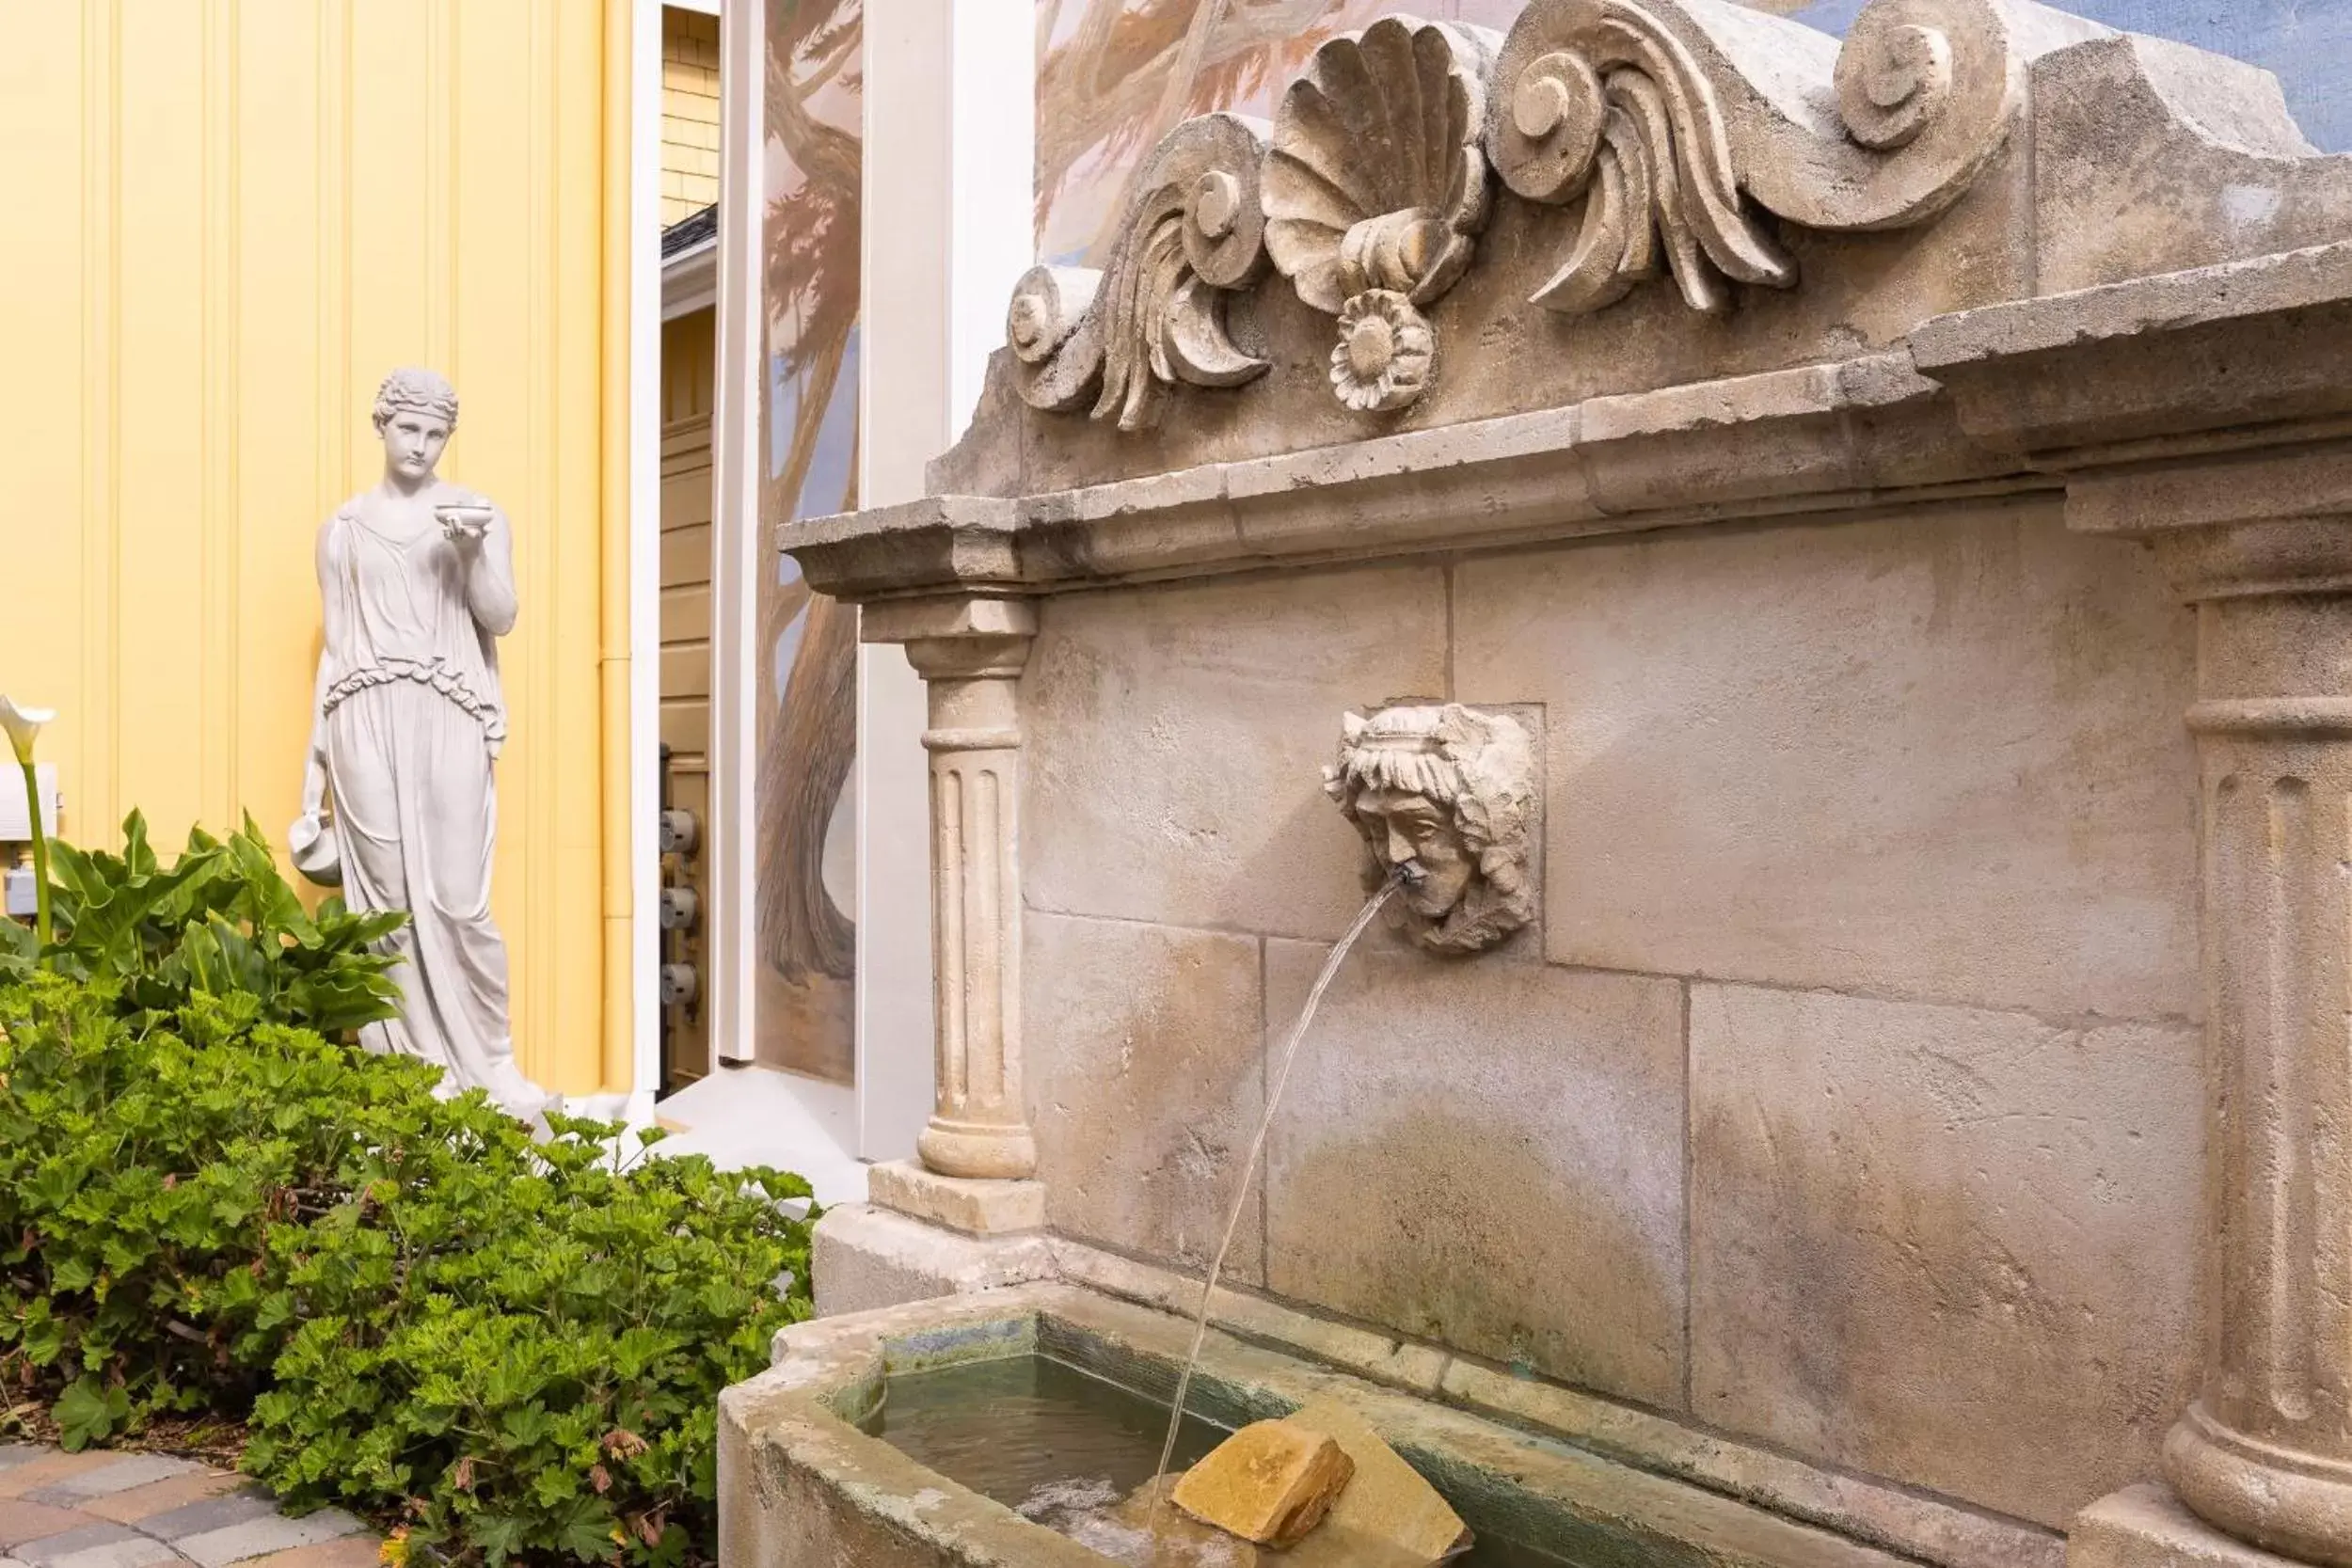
(1270, 1482)
(1387, 1515)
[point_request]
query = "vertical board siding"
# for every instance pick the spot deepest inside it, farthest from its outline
(241, 214)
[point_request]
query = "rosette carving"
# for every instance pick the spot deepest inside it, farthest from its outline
(1115, 342)
(1375, 189)
(1683, 123)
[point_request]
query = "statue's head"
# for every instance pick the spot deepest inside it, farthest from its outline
(415, 412)
(1441, 797)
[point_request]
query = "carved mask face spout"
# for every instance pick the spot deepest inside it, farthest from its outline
(1415, 838)
(1440, 795)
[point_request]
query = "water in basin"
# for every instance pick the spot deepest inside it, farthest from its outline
(1064, 1447)
(1011, 1427)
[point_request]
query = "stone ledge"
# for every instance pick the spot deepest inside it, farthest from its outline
(942, 541)
(2232, 291)
(2107, 374)
(2147, 1527)
(865, 1257)
(1853, 435)
(975, 1207)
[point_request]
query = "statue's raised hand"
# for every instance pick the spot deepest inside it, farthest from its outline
(465, 524)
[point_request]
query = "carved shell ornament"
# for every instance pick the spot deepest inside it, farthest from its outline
(1676, 120)
(1114, 341)
(1375, 189)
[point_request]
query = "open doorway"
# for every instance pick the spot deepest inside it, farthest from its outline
(689, 246)
(757, 717)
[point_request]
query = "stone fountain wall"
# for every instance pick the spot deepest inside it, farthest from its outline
(1925, 1066)
(1847, 1094)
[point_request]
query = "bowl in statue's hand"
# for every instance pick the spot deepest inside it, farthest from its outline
(313, 850)
(464, 519)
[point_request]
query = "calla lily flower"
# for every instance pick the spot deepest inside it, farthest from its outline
(22, 724)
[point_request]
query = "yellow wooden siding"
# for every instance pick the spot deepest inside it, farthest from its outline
(235, 216)
(688, 381)
(690, 113)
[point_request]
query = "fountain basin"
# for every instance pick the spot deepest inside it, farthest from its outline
(806, 1482)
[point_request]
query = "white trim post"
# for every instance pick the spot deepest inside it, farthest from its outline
(644, 551)
(950, 145)
(741, 553)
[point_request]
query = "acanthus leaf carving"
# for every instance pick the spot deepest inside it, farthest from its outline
(1682, 124)
(1114, 341)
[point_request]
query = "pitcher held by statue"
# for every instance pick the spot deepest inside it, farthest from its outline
(399, 802)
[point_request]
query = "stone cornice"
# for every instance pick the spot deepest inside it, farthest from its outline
(920, 547)
(2071, 377)
(1780, 441)
(2011, 398)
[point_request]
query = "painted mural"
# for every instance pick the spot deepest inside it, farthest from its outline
(1114, 76)
(806, 941)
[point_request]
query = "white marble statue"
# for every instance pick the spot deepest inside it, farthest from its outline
(398, 802)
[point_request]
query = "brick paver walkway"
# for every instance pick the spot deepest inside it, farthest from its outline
(105, 1510)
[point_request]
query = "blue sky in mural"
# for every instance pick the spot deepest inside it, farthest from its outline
(827, 487)
(828, 481)
(2308, 42)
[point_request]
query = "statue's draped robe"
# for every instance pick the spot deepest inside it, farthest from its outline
(412, 720)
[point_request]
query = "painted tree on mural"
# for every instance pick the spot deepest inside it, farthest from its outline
(1133, 68)
(1114, 76)
(809, 742)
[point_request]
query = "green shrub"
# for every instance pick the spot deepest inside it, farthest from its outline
(515, 1348)
(219, 920)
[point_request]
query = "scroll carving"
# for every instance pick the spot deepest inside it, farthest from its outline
(1375, 189)
(1115, 342)
(1682, 124)
(1688, 130)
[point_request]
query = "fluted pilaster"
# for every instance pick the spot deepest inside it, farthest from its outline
(2264, 550)
(970, 653)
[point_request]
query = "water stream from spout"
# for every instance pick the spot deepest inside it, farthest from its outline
(1241, 1191)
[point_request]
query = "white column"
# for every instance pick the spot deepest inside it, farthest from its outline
(742, 552)
(951, 117)
(644, 553)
